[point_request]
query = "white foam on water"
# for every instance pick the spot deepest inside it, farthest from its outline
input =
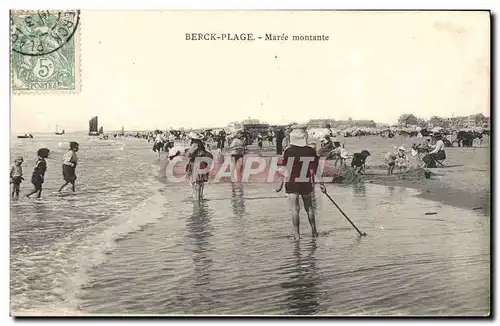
(72, 258)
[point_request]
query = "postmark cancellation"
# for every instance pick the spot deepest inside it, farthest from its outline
(45, 50)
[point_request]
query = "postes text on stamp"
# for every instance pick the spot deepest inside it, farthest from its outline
(44, 50)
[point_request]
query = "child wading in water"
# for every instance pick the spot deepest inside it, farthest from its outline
(193, 168)
(69, 166)
(16, 176)
(38, 175)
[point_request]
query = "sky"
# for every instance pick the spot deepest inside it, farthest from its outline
(138, 71)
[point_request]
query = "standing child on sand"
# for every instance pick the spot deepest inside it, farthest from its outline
(16, 176)
(38, 176)
(390, 159)
(402, 160)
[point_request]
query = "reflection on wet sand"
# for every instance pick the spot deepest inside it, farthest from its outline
(199, 229)
(237, 199)
(302, 286)
(359, 189)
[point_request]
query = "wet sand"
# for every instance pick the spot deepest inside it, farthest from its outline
(463, 182)
(139, 244)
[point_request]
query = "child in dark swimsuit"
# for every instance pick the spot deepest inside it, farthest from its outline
(38, 176)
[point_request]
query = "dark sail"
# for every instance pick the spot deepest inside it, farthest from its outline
(101, 131)
(93, 127)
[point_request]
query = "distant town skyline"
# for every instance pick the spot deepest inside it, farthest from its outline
(240, 121)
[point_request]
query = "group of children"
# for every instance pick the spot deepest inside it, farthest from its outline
(38, 176)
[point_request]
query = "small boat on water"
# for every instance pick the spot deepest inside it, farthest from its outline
(57, 131)
(25, 136)
(122, 133)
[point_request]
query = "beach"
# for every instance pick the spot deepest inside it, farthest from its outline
(130, 242)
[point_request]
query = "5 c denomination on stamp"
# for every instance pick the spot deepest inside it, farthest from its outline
(45, 50)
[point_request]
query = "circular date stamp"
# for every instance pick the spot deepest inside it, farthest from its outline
(37, 33)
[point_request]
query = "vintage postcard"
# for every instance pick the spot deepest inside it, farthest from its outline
(326, 163)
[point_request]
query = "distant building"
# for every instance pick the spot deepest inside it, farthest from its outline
(471, 121)
(407, 119)
(320, 123)
(355, 123)
(256, 127)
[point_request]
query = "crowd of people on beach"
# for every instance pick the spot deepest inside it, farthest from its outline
(295, 143)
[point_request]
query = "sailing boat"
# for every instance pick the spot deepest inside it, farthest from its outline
(122, 133)
(101, 131)
(25, 136)
(93, 127)
(57, 131)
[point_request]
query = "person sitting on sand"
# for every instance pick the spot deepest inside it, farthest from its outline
(437, 154)
(296, 188)
(16, 176)
(193, 168)
(38, 176)
(70, 160)
(359, 160)
(327, 147)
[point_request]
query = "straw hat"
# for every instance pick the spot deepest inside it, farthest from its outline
(19, 159)
(298, 137)
(194, 135)
(402, 148)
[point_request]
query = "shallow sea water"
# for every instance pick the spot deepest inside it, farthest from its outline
(128, 242)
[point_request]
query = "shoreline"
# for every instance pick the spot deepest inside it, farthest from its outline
(464, 186)
(438, 191)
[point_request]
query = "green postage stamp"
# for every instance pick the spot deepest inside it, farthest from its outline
(45, 50)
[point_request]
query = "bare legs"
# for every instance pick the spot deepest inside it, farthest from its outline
(67, 183)
(37, 189)
(308, 206)
(197, 190)
(295, 205)
(15, 190)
